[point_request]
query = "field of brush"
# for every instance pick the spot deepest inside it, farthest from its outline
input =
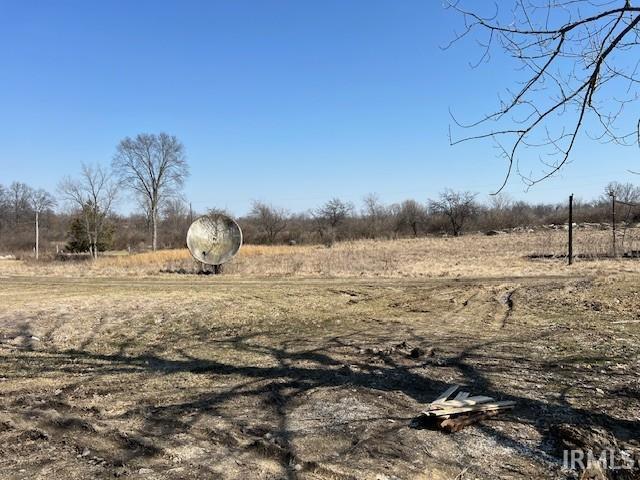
(474, 255)
(307, 362)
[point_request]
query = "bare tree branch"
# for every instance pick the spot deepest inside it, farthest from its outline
(577, 54)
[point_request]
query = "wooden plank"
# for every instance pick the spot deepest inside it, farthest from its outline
(446, 394)
(462, 403)
(461, 395)
(480, 399)
(458, 423)
(471, 408)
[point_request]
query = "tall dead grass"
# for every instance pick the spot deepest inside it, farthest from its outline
(471, 255)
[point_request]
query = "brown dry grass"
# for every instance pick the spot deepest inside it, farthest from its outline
(468, 256)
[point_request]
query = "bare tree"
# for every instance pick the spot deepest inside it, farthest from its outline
(334, 212)
(625, 195)
(330, 216)
(498, 212)
(457, 207)
(155, 168)
(4, 206)
(410, 214)
(500, 202)
(580, 72)
(623, 192)
(40, 200)
(176, 220)
(218, 211)
(374, 214)
(92, 195)
(5, 210)
(18, 196)
(270, 220)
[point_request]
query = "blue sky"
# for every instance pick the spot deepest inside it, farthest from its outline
(290, 102)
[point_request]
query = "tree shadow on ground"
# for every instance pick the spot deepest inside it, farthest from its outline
(291, 373)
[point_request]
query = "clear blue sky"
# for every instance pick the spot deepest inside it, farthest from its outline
(291, 102)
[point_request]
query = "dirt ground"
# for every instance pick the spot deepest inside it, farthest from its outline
(178, 376)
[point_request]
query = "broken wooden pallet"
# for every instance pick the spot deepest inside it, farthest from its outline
(453, 414)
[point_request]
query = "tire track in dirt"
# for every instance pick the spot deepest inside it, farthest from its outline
(507, 300)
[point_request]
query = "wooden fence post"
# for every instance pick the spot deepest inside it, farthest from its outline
(570, 229)
(613, 221)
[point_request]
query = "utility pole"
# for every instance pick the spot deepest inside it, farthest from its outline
(570, 229)
(613, 220)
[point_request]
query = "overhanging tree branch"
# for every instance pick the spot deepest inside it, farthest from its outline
(577, 53)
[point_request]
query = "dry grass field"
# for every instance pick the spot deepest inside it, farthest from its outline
(474, 255)
(297, 364)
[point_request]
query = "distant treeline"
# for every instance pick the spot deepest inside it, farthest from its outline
(450, 213)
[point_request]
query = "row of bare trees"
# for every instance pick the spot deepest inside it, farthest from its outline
(451, 213)
(93, 226)
(22, 205)
(151, 167)
(91, 196)
(339, 220)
